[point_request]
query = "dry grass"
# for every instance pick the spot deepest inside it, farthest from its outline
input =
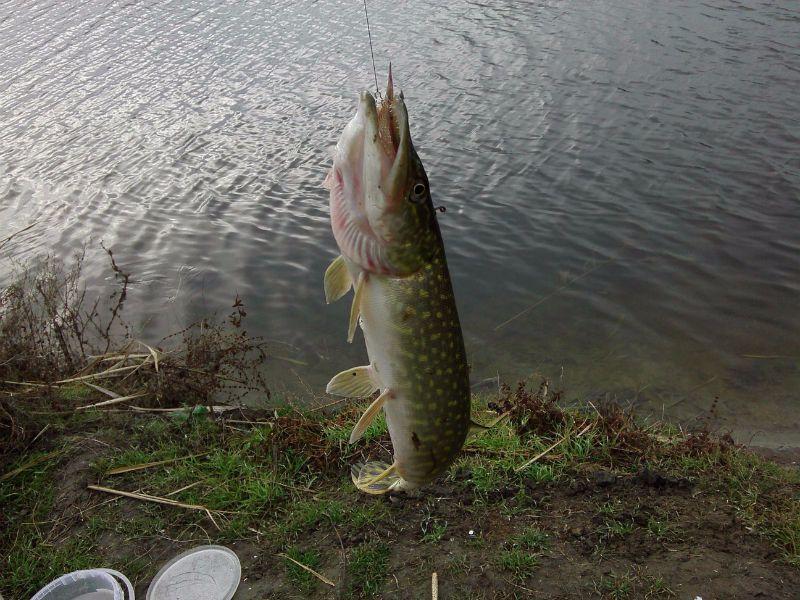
(59, 349)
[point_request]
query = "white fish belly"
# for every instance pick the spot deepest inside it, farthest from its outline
(378, 317)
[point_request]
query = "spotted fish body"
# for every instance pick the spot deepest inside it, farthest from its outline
(414, 341)
(393, 256)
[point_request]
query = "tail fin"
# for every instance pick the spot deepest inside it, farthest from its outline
(476, 428)
(374, 477)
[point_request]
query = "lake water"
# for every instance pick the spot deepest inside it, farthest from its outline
(627, 173)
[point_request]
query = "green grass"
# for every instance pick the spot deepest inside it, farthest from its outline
(658, 588)
(609, 509)
(520, 504)
(32, 558)
(532, 539)
(298, 576)
(148, 521)
(613, 528)
(615, 587)
(760, 491)
(75, 391)
(368, 567)
(520, 555)
(433, 531)
(234, 474)
(540, 473)
(307, 514)
(636, 583)
(507, 452)
(339, 433)
(34, 561)
(661, 529)
(291, 495)
(500, 438)
(367, 515)
(486, 477)
(518, 561)
(458, 563)
(578, 449)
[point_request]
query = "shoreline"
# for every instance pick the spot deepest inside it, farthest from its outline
(623, 510)
(117, 453)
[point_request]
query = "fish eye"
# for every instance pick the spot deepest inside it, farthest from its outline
(418, 192)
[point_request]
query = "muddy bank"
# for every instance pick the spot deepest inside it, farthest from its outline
(614, 509)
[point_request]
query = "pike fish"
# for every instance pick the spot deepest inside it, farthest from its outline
(392, 256)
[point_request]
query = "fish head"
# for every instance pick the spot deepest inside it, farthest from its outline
(382, 214)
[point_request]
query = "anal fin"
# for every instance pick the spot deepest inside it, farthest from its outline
(337, 280)
(374, 477)
(355, 308)
(368, 416)
(358, 382)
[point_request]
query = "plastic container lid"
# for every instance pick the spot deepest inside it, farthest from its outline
(202, 573)
(90, 584)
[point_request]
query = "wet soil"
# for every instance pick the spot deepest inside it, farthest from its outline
(708, 553)
(610, 535)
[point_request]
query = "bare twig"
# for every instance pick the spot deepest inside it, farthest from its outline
(155, 354)
(101, 375)
(30, 464)
(141, 466)
(38, 435)
(115, 357)
(519, 586)
(186, 487)
(322, 578)
(26, 383)
(112, 401)
(214, 409)
(120, 299)
(103, 390)
(543, 452)
(156, 499)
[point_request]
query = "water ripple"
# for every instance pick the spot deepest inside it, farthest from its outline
(653, 143)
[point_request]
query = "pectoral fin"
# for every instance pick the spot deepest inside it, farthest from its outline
(337, 280)
(358, 382)
(374, 477)
(368, 416)
(355, 308)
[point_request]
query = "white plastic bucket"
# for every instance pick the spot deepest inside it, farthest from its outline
(92, 584)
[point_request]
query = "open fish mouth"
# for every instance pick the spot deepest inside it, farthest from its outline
(392, 120)
(370, 179)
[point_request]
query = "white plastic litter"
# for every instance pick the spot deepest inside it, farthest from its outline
(91, 584)
(202, 573)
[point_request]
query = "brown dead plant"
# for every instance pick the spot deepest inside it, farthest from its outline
(54, 340)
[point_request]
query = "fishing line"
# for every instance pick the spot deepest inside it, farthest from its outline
(372, 53)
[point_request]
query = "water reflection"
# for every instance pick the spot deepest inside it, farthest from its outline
(652, 143)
